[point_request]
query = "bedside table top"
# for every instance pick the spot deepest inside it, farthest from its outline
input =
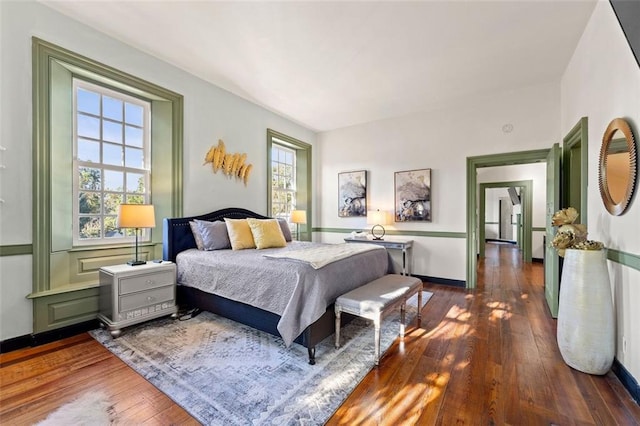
(128, 269)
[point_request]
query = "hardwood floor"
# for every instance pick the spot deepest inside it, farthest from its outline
(481, 358)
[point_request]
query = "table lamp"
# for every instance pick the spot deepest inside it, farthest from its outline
(136, 216)
(377, 218)
(298, 217)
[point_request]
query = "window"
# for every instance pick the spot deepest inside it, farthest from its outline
(283, 180)
(98, 134)
(289, 178)
(111, 160)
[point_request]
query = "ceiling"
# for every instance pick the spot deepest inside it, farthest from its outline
(328, 65)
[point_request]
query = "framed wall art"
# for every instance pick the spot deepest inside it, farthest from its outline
(352, 193)
(413, 195)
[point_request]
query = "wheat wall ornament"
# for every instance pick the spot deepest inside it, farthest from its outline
(232, 165)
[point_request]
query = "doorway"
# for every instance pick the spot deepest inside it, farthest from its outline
(524, 221)
(474, 243)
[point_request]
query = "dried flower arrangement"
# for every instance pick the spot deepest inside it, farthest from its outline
(230, 164)
(571, 235)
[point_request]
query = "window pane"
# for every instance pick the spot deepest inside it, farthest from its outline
(133, 158)
(113, 180)
(289, 157)
(135, 199)
(112, 108)
(89, 178)
(110, 228)
(88, 102)
(133, 114)
(112, 154)
(89, 227)
(111, 203)
(88, 126)
(133, 136)
(89, 202)
(111, 131)
(135, 182)
(88, 150)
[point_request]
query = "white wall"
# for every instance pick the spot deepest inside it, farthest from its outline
(537, 172)
(441, 140)
(602, 82)
(210, 114)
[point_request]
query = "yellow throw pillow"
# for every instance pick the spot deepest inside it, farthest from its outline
(266, 233)
(239, 234)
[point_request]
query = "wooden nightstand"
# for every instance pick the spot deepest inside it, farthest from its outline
(133, 294)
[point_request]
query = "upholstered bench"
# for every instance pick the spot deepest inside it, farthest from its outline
(376, 299)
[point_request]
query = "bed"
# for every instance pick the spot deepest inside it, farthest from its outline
(278, 295)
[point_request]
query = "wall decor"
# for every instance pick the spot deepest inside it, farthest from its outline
(413, 195)
(618, 166)
(232, 165)
(352, 193)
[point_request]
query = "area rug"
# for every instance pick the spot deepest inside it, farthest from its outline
(225, 373)
(90, 409)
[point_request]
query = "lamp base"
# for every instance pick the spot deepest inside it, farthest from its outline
(136, 262)
(377, 234)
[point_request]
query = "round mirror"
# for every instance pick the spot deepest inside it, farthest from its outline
(618, 162)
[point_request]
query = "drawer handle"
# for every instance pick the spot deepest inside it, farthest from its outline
(150, 298)
(150, 282)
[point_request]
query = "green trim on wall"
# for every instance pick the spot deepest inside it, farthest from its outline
(474, 163)
(538, 229)
(16, 250)
(623, 258)
(433, 234)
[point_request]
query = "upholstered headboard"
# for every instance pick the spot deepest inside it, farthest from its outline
(177, 234)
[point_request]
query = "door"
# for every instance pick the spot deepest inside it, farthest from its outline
(551, 259)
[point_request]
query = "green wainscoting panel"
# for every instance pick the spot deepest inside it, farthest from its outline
(16, 250)
(63, 309)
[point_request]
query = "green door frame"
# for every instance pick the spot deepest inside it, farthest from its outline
(526, 196)
(575, 160)
(474, 163)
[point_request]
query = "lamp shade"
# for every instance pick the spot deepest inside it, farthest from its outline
(299, 216)
(136, 216)
(376, 217)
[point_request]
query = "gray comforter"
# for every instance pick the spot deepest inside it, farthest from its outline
(293, 290)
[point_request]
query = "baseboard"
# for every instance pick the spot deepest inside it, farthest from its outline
(493, 240)
(537, 260)
(443, 281)
(38, 339)
(627, 380)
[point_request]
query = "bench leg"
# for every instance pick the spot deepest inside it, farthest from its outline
(376, 326)
(419, 306)
(337, 328)
(402, 319)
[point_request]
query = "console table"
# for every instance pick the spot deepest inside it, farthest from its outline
(394, 244)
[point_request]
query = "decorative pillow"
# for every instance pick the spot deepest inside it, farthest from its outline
(266, 233)
(286, 231)
(196, 235)
(240, 234)
(214, 235)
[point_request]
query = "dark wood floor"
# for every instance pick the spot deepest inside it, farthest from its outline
(480, 357)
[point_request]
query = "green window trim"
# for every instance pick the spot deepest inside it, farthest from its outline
(303, 176)
(53, 67)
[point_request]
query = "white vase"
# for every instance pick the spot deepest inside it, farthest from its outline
(586, 323)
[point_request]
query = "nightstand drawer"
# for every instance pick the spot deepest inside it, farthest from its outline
(146, 298)
(146, 282)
